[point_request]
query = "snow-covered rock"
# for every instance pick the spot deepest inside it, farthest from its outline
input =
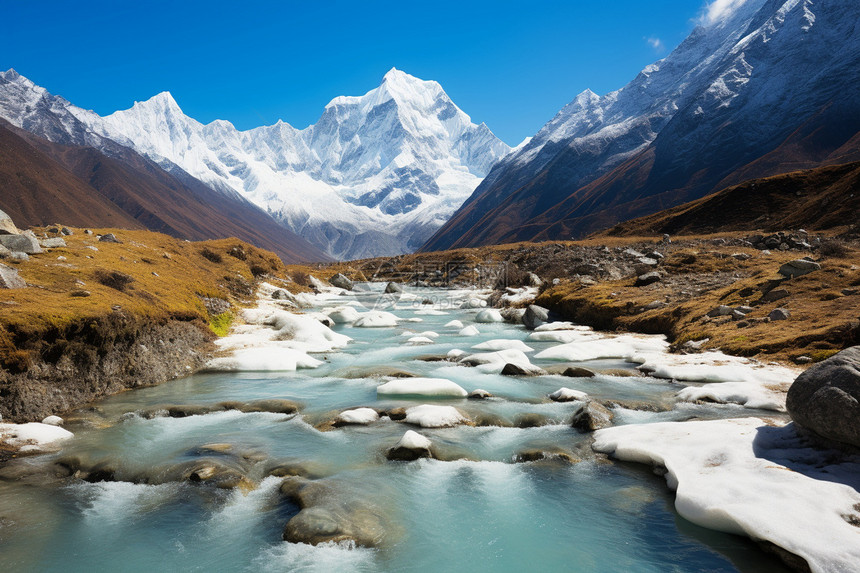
(342, 314)
(495, 362)
(489, 315)
(438, 387)
(33, 437)
(504, 344)
(470, 330)
(432, 416)
(358, 416)
(376, 319)
(411, 446)
(567, 395)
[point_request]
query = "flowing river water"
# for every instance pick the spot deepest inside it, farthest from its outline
(481, 512)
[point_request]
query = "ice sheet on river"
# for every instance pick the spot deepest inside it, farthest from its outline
(745, 477)
(590, 348)
(494, 362)
(728, 379)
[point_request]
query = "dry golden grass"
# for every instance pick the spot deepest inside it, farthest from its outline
(818, 326)
(148, 276)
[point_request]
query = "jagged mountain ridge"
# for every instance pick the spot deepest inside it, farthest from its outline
(57, 170)
(376, 175)
(765, 88)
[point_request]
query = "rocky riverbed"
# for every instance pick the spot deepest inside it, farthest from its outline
(364, 428)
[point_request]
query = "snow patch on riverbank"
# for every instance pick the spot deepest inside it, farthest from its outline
(728, 379)
(745, 477)
(272, 339)
(33, 437)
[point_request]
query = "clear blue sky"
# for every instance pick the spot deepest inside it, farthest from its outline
(512, 65)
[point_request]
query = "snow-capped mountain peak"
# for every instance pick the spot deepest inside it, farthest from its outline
(163, 101)
(377, 174)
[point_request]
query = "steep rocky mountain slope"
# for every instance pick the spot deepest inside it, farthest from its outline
(819, 199)
(762, 88)
(45, 183)
(377, 174)
(37, 189)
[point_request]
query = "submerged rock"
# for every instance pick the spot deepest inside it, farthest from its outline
(592, 416)
(271, 405)
(374, 372)
(530, 420)
(577, 372)
(479, 394)
(826, 398)
(295, 468)
(545, 454)
(328, 515)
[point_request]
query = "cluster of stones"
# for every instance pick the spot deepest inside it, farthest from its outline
(781, 241)
(771, 291)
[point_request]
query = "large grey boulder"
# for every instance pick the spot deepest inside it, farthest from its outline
(798, 267)
(647, 279)
(393, 288)
(340, 281)
(7, 227)
(826, 398)
(109, 238)
(26, 242)
(53, 243)
(534, 316)
(9, 278)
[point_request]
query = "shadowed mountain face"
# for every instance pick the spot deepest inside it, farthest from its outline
(769, 88)
(45, 182)
(820, 198)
